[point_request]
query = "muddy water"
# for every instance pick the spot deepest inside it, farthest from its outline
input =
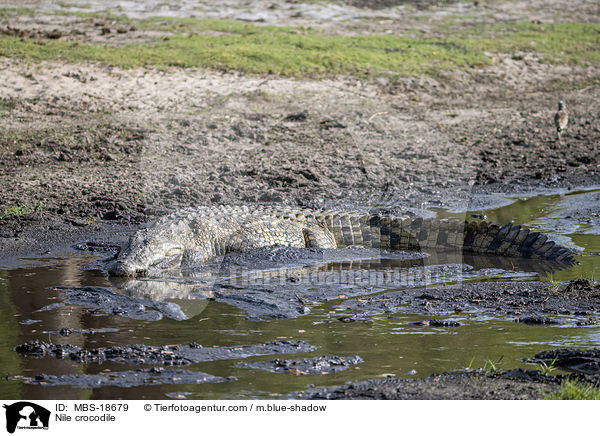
(389, 344)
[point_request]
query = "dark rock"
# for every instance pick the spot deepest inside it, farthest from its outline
(331, 124)
(437, 323)
(111, 215)
(116, 304)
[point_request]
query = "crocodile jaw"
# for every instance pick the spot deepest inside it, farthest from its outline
(144, 254)
(140, 267)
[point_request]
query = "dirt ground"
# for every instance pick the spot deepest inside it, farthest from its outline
(85, 148)
(517, 384)
(84, 144)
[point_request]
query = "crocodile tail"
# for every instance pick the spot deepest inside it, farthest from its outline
(513, 240)
(403, 233)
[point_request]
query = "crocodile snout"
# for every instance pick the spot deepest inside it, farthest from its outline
(120, 269)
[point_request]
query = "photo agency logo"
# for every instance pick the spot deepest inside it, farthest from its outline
(26, 415)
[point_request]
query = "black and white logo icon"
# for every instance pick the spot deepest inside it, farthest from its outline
(26, 415)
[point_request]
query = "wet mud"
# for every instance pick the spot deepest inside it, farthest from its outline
(281, 298)
(126, 379)
(466, 385)
(526, 302)
(289, 290)
(172, 355)
(106, 301)
(66, 331)
(311, 365)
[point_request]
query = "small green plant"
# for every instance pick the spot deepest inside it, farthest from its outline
(572, 390)
(554, 285)
(491, 365)
(545, 368)
(470, 365)
(19, 211)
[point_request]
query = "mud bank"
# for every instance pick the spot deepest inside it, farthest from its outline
(125, 379)
(311, 365)
(517, 384)
(174, 355)
(576, 302)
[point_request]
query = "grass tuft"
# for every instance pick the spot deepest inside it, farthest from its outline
(15, 211)
(7, 104)
(571, 390)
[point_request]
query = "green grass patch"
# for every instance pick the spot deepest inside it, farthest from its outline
(15, 211)
(11, 12)
(556, 42)
(263, 50)
(297, 52)
(571, 390)
(23, 210)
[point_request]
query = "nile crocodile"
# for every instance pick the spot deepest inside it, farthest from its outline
(193, 236)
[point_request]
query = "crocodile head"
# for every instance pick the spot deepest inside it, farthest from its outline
(149, 251)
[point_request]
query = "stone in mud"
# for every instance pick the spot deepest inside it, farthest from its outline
(582, 286)
(588, 322)
(263, 304)
(171, 355)
(40, 348)
(437, 323)
(298, 116)
(311, 365)
(126, 379)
